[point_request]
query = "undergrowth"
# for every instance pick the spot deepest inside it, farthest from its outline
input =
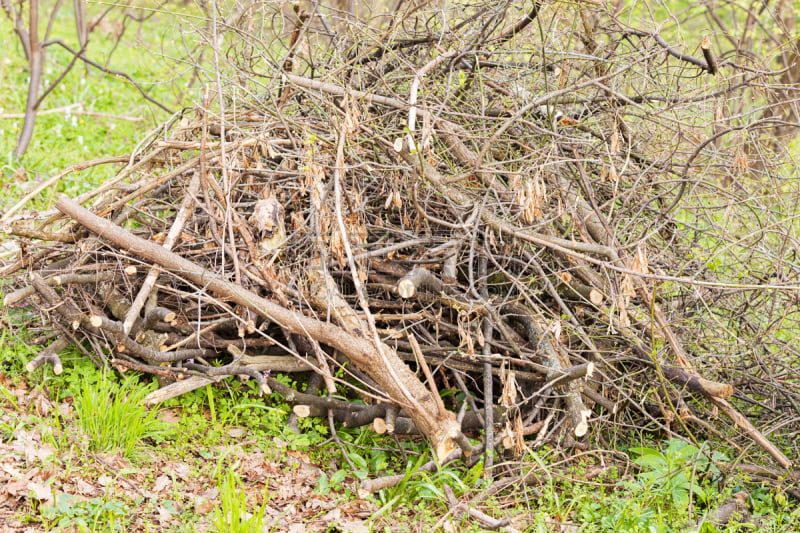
(113, 416)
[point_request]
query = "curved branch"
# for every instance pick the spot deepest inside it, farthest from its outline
(107, 70)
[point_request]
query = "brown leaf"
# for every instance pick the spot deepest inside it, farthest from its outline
(182, 470)
(531, 197)
(203, 506)
(267, 220)
(40, 491)
(44, 451)
(65, 410)
(614, 147)
(333, 515)
(353, 526)
(17, 488)
(162, 483)
(237, 433)
(115, 461)
(85, 488)
(164, 515)
(170, 416)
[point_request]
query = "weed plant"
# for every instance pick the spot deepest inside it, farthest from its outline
(232, 516)
(71, 513)
(113, 417)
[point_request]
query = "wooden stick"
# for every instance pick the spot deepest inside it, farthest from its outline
(426, 370)
(59, 279)
(173, 390)
(187, 206)
(418, 278)
(50, 356)
(58, 177)
(751, 431)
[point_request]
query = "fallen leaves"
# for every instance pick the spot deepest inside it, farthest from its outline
(156, 492)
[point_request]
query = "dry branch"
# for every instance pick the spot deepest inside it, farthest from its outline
(441, 428)
(436, 227)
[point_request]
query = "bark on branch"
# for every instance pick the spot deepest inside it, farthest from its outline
(440, 428)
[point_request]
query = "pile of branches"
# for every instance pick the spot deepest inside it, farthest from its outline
(519, 230)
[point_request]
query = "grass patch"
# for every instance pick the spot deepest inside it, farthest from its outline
(112, 415)
(232, 516)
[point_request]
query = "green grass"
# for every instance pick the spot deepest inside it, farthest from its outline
(232, 515)
(113, 417)
(649, 492)
(95, 515)
(102, 114)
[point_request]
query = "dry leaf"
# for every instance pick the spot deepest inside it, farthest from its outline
(162, 483)
(115, 461)
(333, 515)
(182, 470)
(531, 198)
(740, 163)
(164, 515)
(508, 379)
(40, 491)
(203, 506)
(614, 145)
(17, 488)
(639, 262)
(267, 219)
(85, 488)
(237, 433)
(44, 451)
(170, 416)
(612, 173)
(397, 200)
(353, 526)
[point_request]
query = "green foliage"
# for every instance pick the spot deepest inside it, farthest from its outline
(673, 472)
(14, 353)
(7, 398)
(423, 488)
(365, 463)
(78, 372)
(206, 412)
(232, 516)
(112, 415)
(76, 514)
(8, 426)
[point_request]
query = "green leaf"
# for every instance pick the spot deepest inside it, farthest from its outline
(338, 477)
(707, 527)
(359, 461)
(679, 451)
(323, 484)
(649, 457)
